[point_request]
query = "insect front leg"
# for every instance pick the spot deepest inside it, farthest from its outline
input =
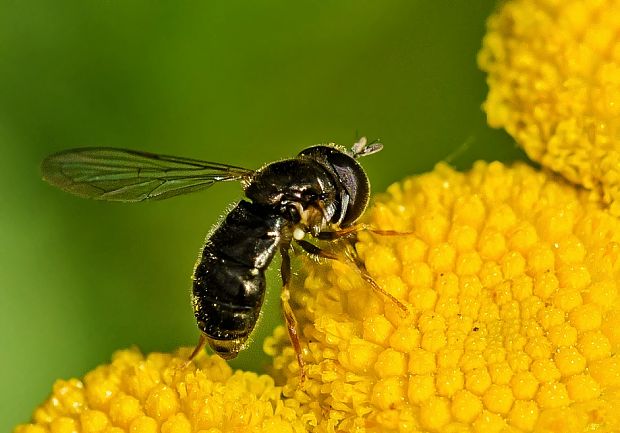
(289, 316)
(313, 250)
(359, 266)
(337, 234)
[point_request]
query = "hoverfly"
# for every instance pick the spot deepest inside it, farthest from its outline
(322, 192)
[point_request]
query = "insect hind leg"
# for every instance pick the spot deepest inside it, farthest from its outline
(202, 341)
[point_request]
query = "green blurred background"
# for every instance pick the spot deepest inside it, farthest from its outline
(238, 82)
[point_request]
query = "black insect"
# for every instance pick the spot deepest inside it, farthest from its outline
(322, 192)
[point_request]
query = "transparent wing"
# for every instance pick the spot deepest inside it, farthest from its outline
(129, 175)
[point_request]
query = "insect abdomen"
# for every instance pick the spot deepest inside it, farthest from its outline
(229, 280)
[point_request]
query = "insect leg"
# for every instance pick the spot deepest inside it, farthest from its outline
(368, 278)
(313, 250)
(289, 316)
(202, 341)
(337, 234)
(359, 265)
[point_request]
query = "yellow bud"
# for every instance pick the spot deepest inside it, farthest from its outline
(478, 381)
(388, 392)
(124, 409)
(143, 424)
(448, 381)
(563, 334)
(162, 402)
(586, 317)
(524, 385)
(524, 415)
(377, 329)
(466, 406)
(421, 388)
(405, 339)
(360, 355)
(381, 261)
(569, 361)
(498, 399)
(441, 258)
(433, 340)
(545, 370)
(551, 395)
(422, 362)
(64, 425)
(488, 422)
(582, 387)
(391, 363)
(500, 372)
(606, 371)
(435, 413)
(594, 345)
(93, 421)
(176, 424)
(567, 300)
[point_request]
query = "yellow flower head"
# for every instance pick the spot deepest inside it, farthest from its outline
(513, 325)
(510, 277)
(158, 394)
(554, 83)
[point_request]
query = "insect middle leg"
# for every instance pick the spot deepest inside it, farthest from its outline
(359, 265)
(289, 316)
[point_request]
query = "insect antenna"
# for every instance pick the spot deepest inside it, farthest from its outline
(363, 148)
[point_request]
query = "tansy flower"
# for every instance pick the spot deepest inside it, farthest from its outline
(554, 83)
(157, 393)
(513, 323)
(509, 276)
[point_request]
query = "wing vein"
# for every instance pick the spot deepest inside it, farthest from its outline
(129, 175)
